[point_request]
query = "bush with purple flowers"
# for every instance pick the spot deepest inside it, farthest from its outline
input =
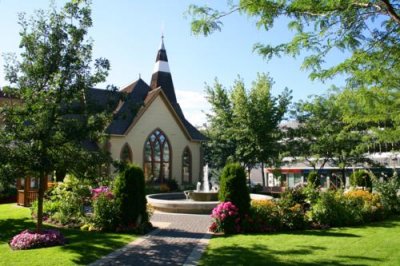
(96, 192)
(226, 218)
(29, 239)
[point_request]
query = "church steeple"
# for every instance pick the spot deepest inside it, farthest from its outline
(162, 75)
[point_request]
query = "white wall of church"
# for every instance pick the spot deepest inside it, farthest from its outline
(159, 116)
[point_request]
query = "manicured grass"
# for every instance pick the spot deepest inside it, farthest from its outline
(83, 247)
(374, 244)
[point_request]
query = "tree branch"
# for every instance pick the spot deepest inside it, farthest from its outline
(391, 11)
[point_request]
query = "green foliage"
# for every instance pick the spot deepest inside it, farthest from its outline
(172, 185)
(334, 209)
(319, 27)
(361, 178)
(291, 215)
(221, 145)
(312, 179)
(130, 198)
(7, 191)
(52, 77)
(233, 187)
(104, 213)
(389, 192)
(369, 203)
(265, 217)
(366, 30)
(243, 126)
(322, 134)
(65, 202)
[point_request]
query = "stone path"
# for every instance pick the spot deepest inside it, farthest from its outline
(179, 240)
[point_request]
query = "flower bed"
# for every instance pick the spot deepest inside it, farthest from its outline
(29, 239)
(225, 218)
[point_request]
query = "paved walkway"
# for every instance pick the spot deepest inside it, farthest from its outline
(179, 240)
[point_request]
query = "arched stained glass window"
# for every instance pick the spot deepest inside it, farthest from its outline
(126, 154)
(186, 166)
(157, 157)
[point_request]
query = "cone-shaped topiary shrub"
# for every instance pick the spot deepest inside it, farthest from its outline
(312, 179)
(130, 197)
(361, 178)
(233, 187)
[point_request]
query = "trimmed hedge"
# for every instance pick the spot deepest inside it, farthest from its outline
(233, 187)
(312, 179)
(130, 197)
(361, 178)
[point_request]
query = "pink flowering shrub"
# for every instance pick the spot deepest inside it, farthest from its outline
(96, 192)
(226, 218)
(28, 239)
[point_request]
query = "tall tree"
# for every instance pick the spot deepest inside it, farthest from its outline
(247, 119)
(53, 126)
(266, 112)
(246, 150)
(369, 30)
(221, 146)
(322, 136)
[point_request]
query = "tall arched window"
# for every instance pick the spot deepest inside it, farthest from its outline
(157, 157)
(186, 166)
(126, 154)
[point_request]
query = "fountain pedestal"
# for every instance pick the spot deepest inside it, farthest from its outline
(203, 196)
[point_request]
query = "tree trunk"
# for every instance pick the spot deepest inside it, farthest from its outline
(42, 186)
(248, 172)
(343, 179)
(262, 174)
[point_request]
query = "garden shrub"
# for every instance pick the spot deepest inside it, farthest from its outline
(294, 195)
(104, 212)
(172, 185)
(103, 190)
(388, 191)
(226, 218)
(372, 208)
(361, 178)
(233, 187)
(292, 216)
(334, 209)
(312, 179)
(311, 193)
(64, 204)
(130, 198)
(264, 217)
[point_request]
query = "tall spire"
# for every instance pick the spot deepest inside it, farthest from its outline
(162, 75)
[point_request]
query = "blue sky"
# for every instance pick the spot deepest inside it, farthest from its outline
(128, 34)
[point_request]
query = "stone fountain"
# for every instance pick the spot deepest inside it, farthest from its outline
(199, 201)
(202, 192)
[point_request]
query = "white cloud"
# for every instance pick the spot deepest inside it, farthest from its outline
(194, 106)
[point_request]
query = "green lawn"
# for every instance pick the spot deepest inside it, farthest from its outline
(83, 247)
(375, 244)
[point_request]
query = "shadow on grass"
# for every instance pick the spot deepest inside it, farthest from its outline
(263, 255)
(90, 246)
(11, 227)
(324, 233)
(85, 246)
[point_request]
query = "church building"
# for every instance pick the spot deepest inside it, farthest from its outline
(149, 127)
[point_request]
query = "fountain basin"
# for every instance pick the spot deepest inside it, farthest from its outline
(177, 203)
(202, 196)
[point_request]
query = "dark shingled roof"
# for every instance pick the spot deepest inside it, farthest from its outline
(164, 80)
(128, 108)
(125, 110)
